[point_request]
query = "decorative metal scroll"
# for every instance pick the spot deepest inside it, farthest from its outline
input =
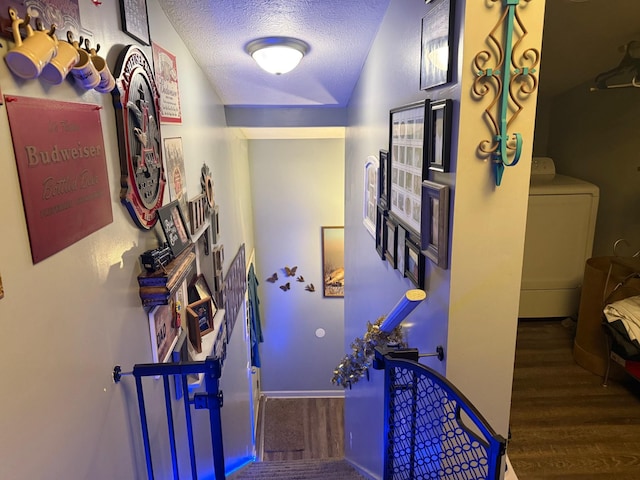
(511, 83)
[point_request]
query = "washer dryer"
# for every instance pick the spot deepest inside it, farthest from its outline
(561, 221)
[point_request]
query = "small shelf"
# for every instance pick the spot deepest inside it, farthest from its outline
(156, 287)
(211, 347)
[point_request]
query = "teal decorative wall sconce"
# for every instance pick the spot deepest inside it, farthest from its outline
(512, 78)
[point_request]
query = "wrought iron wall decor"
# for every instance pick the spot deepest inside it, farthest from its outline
(512, 77)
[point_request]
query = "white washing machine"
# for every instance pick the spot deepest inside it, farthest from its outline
(561, 222)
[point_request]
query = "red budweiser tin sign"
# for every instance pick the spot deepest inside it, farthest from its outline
(59, 151)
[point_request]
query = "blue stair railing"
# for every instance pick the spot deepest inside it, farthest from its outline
(211, 399)
(426, 431)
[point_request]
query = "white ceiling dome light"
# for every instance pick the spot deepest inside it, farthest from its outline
(277, 55)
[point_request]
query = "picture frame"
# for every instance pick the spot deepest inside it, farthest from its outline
(371, 193)
(414, 263)
(135, 20)
(391, 241)
(409, 129)
(436, 52)
(440, 115)
(381, 239)
(435, 223)
(383, 178)
(199, 289)
(163, 332)
(333, 261)
(200, 321)
(174, 227)
(198, 212)
(176, 176)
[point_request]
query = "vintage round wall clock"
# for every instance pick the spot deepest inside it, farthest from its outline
(136, 103)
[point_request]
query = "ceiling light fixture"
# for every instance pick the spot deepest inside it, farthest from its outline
(277, 55)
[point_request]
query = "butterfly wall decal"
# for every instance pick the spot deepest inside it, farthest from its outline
(285, 287)
(310, 288)
(300, 279)
(273, 278)
(290, 272)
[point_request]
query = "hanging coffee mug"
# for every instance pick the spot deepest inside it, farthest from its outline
(107, 82)
(84, 72)
(58, 68)
(28, 58)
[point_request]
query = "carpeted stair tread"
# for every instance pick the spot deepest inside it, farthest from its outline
(325, 469)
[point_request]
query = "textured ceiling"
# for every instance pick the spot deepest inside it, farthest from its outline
(581, 39)
(339, 33)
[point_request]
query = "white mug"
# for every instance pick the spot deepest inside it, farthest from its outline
(107, 82)
(60, 66)
(84, 72)
(28, 58)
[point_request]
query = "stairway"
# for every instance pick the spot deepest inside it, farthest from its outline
(324, 469)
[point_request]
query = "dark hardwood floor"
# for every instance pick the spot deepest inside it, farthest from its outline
(564, 423)
(323, 428)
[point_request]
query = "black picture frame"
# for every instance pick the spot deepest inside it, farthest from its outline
(409, 131)
(439, 156)
(436, 52)
(199, 289)
(414, 262)
(435, 223)
(174, 227)
(135, 20)
(383, 178)
(381, 239)
(391, 241)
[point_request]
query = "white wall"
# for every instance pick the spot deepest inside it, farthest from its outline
(471, 308)
(297, 188)
(69, 319)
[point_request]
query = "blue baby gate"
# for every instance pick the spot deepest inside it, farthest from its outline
(210, 399)
(426, 435)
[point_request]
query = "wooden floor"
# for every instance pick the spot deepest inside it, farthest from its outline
(323, 422)
(564, 424)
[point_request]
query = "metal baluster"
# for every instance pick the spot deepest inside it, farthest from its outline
(145, 429)
(172, 436)
(187, 416)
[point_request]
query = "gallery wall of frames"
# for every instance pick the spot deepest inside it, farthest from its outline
(46, 41)
(412, 210)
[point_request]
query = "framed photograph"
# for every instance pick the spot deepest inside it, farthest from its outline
(176, 177)
(436, 54)
(333, 261)
(391, 241)
(414, 263)
(440, 145)
(163, 331)
(381, 239)
(199, 288)
(383, 179)
(371, 172)
(435, 223)
(409, 129)
(135, 21)
(200, 321)
(166, 73)
(174, 227)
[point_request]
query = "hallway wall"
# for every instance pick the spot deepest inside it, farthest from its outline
(471, 307)
(297, 188)
(69, 319)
